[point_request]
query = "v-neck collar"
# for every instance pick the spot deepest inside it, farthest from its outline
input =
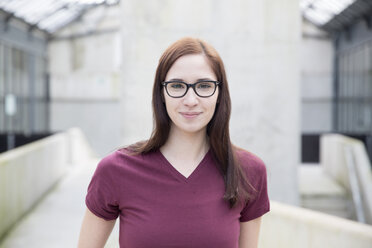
(178, 174)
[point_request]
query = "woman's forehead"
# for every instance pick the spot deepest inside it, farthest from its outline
(192, 66)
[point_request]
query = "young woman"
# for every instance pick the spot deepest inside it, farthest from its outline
(187, 186)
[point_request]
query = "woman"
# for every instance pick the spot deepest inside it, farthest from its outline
(186, 186)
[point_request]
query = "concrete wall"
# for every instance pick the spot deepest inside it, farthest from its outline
(259, 43)
(316, 79)
(23, 182)
(85, 77)
(293, 227)
(28, 172)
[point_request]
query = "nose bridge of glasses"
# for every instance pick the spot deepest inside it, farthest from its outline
(193, 90)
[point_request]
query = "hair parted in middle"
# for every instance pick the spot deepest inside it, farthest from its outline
(237, 186)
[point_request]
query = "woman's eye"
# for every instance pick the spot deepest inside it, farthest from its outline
(204, 85)
(177, 86)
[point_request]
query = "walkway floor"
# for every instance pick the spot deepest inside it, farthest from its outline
(56, 220)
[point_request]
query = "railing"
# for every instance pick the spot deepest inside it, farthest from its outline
(345, 159)
(354, 185)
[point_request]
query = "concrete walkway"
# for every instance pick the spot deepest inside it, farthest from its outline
(320, 192)
(56, 220)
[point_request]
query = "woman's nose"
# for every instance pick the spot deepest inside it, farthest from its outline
(190, 98)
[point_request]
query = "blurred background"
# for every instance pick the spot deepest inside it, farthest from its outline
(75, 84)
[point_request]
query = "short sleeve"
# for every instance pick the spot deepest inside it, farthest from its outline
(259, 204)
(100, 198)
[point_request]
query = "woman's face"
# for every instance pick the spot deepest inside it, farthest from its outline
(190, 113)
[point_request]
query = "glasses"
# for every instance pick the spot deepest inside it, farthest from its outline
(177, 89)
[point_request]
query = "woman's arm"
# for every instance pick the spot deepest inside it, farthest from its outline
(249, 232)
(94, 231)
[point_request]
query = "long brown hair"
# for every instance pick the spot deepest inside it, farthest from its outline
(236, 183)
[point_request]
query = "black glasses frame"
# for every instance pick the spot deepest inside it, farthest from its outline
(165, 83)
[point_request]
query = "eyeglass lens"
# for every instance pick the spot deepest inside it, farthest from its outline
(178, 89)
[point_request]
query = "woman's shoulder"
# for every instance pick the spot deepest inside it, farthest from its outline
(120, 165)
(250, 161)
(116, 159)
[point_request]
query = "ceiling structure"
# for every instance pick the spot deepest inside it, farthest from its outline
(320, 12)
(335, 15)
(49, 15)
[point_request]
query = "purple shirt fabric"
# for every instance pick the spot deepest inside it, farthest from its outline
(161, 208)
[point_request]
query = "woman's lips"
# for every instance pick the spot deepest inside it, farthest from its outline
(190, 115)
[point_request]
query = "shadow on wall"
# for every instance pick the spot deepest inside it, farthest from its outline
(310, 146)
(10, 141)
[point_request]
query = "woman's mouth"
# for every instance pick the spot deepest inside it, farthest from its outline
(190, 115)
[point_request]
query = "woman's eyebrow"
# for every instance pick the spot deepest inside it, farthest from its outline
(176, 79)
(198, 80)
(204, 79)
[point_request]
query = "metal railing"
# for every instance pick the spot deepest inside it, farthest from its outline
(354, 185)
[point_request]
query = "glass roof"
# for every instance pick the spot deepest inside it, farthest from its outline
(50, 15)
(320, 12)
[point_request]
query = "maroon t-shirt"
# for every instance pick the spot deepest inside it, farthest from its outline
(161, 208)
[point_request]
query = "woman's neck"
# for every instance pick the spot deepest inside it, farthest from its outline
(186, 146)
